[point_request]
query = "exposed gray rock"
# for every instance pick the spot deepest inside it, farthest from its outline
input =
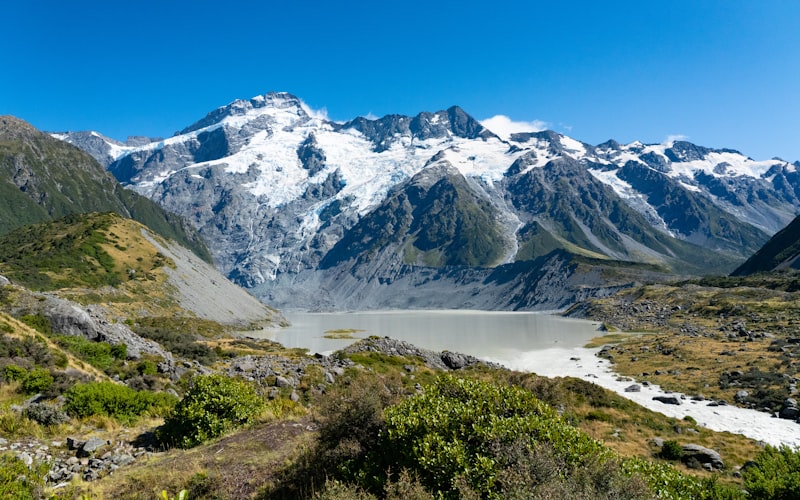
(633, 388)
(25, 457)
(668, 400)
(702, 455)
(455, 361)
(92, 323)
(91, 446)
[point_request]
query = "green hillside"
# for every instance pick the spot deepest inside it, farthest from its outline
(42, 179)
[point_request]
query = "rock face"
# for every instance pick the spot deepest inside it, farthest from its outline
(69, 318)
(313, 214)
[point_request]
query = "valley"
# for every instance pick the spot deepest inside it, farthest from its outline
(125, 351)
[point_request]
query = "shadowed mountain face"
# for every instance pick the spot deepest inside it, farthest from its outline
(294, 206)
(782, 251)
(42, 178)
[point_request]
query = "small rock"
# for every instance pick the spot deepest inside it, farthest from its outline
(25, 457)
(633, 388)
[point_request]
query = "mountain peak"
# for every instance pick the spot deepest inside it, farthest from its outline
(12, 127)
(257, 105)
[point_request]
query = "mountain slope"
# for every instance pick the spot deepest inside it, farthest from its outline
(280, 193)
(105, 258)
(782, 251)
(42, 179)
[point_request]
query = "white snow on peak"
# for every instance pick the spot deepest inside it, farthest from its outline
(736, 165)
(574, 148)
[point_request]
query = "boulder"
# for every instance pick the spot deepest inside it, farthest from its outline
(703, 455)
(90, 446)
(668, 400)
(633, 388)
(454, 360)
(789, 413)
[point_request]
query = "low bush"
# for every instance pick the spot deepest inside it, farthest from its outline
(46, 414)
(212, 406)
(448, 431)
(115, 400)
(17, 480)
(36, 381)
(101, 355)
(671, 450)
(775, 473)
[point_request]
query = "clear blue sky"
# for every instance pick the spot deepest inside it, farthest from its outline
(722, 73)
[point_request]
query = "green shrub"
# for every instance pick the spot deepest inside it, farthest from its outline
(119, 351)
(38, 322)
(114, 400)
(667, 482)
(14, 373)
(671, 450)
(18, 481)
(775, 473)
(97, 354)
(213, 405)
(448, 431)
(147, 367)
(37, 380)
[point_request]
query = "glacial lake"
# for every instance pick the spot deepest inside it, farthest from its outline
(492, 335)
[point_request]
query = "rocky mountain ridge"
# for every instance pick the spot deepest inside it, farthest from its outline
(308, 213)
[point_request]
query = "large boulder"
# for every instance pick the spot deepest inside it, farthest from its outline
(703, 455)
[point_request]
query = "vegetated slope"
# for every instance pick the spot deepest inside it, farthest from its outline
(105, 258)
(780, 252)
(286, 198)
(727, 338)
(42, 178)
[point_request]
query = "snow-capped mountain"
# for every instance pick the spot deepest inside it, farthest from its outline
(313, 213)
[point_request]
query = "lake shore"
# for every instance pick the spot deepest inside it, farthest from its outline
(583, 363)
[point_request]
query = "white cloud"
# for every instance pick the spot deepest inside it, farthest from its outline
(504, 126)
(319, 114)
(371, 116)
(672, 138)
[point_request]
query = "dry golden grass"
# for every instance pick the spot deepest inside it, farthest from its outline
(694, 364)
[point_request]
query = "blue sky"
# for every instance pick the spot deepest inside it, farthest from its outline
(721, 73)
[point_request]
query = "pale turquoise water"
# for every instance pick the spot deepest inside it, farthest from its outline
(499, 335)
